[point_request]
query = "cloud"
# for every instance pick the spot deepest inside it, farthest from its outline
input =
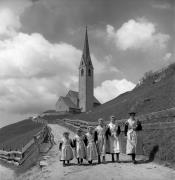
(162, 6)
(33, 56)
(105, 66)
(9, 23)
(137, 34)
(34, 72)
(110, 89)
(167, 56)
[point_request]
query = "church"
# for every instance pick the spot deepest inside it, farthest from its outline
(84, 100)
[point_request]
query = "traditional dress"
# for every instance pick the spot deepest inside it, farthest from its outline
(66, 150)
(91, 152)
(100, 134)
(113, 139)
(80, 148)
(134, 141)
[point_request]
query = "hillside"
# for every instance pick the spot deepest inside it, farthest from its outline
(16, 135)
(155, 92)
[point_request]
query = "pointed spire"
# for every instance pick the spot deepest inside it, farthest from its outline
(86, 58)
(86, 51)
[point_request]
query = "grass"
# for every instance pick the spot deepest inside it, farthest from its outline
(15, 136)
(146, 98)
(164, 140)
(150, 96)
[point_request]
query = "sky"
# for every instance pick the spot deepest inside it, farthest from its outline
(41, 44)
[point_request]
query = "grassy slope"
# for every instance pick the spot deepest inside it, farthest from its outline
(164, 140)
(16, 135)
(147, 98)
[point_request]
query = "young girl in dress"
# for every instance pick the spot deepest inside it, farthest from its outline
(80, 149)
(91, 152)
(113, 132)
(66, 148)
(100, 139)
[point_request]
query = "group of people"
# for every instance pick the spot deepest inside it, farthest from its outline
(104, 139)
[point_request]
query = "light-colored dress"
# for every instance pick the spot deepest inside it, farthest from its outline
(134, 141)
(66, 150)
(113, 139)
(101, 142)
(80, 149)
(91, 153)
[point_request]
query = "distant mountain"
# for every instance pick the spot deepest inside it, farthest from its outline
(154, 92)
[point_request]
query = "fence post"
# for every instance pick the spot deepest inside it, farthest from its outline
(36, 143)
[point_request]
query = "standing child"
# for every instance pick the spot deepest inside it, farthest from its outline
(91, 146)
(80, 149)
(113, 132)
(100, 137)
(66, 148)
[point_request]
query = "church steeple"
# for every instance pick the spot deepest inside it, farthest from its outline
(86, 79)
(86, 58)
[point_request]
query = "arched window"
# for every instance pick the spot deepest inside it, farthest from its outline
(82, 72)
(89, 72)
(90, 63)
(82, 63)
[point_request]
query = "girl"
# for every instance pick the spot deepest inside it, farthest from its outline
(80, 149)
(100, 138)
(66, 148)
(91, 147)
(113, 133)
(132, 131)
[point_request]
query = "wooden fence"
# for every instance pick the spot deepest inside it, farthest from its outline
(18, 157)
(157, 120)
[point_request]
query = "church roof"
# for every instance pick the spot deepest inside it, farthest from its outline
(73, 93)
(76, 95)
(68, 102)
(86, 52)
(96, 100)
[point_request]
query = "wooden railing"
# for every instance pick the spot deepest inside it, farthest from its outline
(168, 114)
(18, 157)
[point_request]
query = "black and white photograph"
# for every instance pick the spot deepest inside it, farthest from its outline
(87, 90)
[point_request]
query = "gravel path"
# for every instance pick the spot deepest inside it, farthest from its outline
(109, 171)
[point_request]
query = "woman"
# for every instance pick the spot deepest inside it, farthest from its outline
(100, 139)
(113, 133)
(132, 131)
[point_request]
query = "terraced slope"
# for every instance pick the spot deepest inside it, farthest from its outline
(155, 93)
(15, 136)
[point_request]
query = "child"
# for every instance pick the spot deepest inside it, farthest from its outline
(91, 153)
(80, 149)
(100, 138)
(66, 149)
(113, 132)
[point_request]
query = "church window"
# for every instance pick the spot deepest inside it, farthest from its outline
(82, 72)
(89, 72)
(89, 62)
(82, 63)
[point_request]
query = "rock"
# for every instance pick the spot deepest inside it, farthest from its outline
(43, 163)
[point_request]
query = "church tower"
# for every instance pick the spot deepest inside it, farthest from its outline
(86, 79)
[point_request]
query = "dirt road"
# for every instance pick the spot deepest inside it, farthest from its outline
(109, 171)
